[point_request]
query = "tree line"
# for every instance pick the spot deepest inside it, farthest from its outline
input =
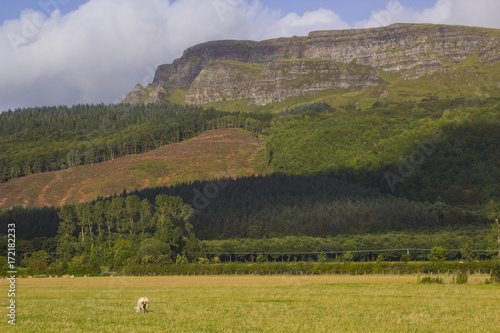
(387, 246)
(106, 222)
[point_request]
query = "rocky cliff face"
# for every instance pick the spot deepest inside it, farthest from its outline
(272, 70)
(289, 78)
(182, 72)
(402, 47)
(227, 81)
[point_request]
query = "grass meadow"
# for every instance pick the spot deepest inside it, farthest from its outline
(329, 303)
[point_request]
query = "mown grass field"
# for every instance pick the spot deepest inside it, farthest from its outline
(332, 303)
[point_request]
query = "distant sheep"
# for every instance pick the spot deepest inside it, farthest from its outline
(142, 304)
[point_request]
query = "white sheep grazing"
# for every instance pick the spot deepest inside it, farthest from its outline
(142, 304)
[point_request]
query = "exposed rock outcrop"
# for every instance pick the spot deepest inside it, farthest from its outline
(227, 81)
(137, 95)
(272, 70)
(151, 94)
(223, 81)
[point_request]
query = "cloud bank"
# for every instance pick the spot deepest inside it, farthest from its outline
(100, 51)
(479, 13)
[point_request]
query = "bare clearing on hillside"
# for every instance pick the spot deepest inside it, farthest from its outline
(213, 154)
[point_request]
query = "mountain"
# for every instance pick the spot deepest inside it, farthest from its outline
(213, 154)
(398, 62)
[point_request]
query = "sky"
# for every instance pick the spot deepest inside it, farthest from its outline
(65, 52)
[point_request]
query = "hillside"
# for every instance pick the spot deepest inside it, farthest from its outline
(213, 154)
(43, 139)
(398, 63)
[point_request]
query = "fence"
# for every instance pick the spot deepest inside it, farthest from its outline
(355, 255)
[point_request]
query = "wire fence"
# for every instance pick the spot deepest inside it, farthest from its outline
(354, 255)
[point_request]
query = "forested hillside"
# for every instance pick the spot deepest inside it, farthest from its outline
(390, 175)
(432, 151)
(276, 214)
(45, 139)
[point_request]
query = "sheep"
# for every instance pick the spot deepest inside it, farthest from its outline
(142, 304)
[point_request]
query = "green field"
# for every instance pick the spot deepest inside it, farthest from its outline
(331, 303)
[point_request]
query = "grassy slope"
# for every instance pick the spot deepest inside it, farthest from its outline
(217, 153)
(371, 303)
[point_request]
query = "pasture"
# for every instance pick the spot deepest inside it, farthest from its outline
(328, 303)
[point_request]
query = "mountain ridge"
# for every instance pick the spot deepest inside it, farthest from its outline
(207, 71)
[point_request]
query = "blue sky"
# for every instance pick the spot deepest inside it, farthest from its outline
(95, 51)
(11, 10)
(350, 10)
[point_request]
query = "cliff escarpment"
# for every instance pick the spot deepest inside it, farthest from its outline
(273, 70)
(227, 81)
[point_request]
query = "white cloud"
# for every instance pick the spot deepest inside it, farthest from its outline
(100, 51)
(321, 19)
(481, 13)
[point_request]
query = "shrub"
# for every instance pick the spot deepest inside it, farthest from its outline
(164, 259)
(203, 260)
(431, 280)
(462, 277)
(37, 267)
(148, 259)
(467, 253)
(406, 257)
(41, 256)
(216, 260)
(348, 256)
(180, 260)
(4, 265)
(437, 254)
(154, 248)
(121, 256)
(495, 272)
(261, 258)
